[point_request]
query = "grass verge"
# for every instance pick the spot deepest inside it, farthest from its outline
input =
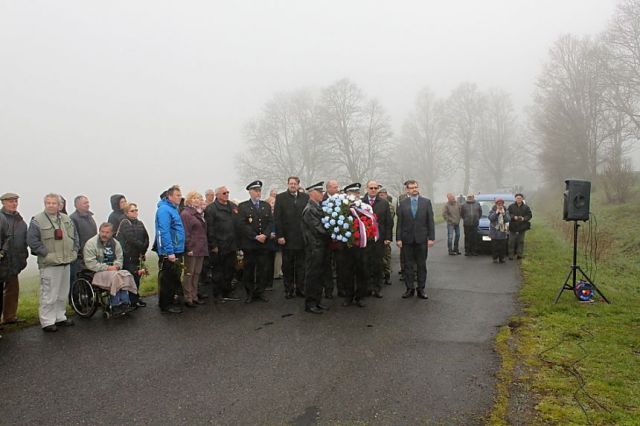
(579, 363)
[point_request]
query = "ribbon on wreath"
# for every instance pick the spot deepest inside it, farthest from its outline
(362, 227)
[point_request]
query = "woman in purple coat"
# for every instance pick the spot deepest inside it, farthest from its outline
(195, 247)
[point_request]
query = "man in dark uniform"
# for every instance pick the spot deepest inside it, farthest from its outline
(374, 251)
(287, 217)
(255, 223)
(351, 265)
(315, 240)
(383, 193)
(220, 216)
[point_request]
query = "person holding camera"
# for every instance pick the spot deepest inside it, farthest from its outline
(520, 223)
(499, 230)
(52, 237)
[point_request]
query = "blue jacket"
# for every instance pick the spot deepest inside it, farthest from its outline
(169, 229)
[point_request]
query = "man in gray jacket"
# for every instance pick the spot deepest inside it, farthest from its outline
(52, 237)
(471, 212)
(451, 215)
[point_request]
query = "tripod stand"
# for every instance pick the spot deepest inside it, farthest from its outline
(575, 268)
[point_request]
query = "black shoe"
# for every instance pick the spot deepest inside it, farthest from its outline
(190, 305)
(50, 328)
(65, 323)
(501, 260)
(495, 260)
(520, 257)
(249, 299)
(347, 302)
(230, 298)
(467, 253)
(270, 288)
(377, 295)
(457, 251)
(452, 253)
(15, 321)
(289, 295)
(199, 302)
(474, 254)
(171, 310)
(313, 310)
(387, 281)
(359, 304)
(341, 294)
(300, 293)
(510, 257)
(323, 307)
(409, 293)
(421, 295)
(202, 296)
(140, 304)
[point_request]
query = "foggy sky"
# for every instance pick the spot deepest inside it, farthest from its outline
(133, 96)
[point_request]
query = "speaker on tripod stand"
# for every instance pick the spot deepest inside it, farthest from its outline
(577, 197)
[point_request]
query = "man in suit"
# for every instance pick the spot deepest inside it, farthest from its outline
(287, 218)
(255, 223)
(415, 234)
(383, 193)
(375, 250)
(351, 264)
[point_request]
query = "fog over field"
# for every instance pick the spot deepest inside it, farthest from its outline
(133, 96)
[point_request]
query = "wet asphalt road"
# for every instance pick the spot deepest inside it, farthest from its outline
(395, 362)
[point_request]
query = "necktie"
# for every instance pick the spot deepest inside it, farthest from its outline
(372, 201)
(256, 204)
(414, 207)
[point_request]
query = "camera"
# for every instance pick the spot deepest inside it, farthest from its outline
(57, 234)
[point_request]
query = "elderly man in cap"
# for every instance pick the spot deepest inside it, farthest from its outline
(315, 239)
(471, 211)
(52, 237)
(14, 253)
(255, 224)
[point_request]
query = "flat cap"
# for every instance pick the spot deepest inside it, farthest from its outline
(9, 196)
(315, 187)
(354, 187)
(256, 184)
(383, 189)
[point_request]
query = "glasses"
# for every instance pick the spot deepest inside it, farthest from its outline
(225, 193)
(373, 187)
(133, 211)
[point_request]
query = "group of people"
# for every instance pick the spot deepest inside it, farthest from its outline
(210, 237)
(507, 226)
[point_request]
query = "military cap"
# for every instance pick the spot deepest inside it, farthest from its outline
(315, 187)
(354, 187)
(9, 196)
(256, 184)
(383, 189)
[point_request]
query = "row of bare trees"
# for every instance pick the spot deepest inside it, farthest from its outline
(586, 111)
(341, 133)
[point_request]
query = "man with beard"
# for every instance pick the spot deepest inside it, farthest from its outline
(288, 226)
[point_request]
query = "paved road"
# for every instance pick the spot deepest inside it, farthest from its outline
(394, 362)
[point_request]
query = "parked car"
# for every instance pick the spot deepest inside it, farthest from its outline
(486, 202)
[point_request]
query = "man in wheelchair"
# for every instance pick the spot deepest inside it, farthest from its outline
(103, 256)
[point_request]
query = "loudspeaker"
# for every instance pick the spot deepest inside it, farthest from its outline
(577, 195)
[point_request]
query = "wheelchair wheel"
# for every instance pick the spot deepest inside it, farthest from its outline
(83, 298)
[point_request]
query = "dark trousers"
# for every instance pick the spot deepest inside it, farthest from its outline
(222, 272)
(169, 283)
(351, 264)
(254, 274)
(132, 266)
(331, 271)
(499, 248)
(415, 256)
(271, 266)
(470, 239)
(315, 259)
(375, 263)
(293, 270)
(516, 243)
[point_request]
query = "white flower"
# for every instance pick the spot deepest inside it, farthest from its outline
(347, 234)
(332, 222)
(336, 229)
(330, 205)
(346, 226)
(334, 214)
(327, 226)
(341, 217)
(333, 236)
(340, 222)
(351, 219)
(357, 203)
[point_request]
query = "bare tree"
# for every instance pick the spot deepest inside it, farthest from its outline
(498, 139)
(622, 39)
(569, 110)
(463, 111)
(287, 139)
(422, 147)
(357, 131)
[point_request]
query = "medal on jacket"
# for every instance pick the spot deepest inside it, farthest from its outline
(250, 220)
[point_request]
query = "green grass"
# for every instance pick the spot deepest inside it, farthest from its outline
(30, 292)
(581, 361)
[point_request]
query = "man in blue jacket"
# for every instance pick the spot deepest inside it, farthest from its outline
(170, 246)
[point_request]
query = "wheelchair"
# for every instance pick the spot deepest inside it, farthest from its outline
(86, 298)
